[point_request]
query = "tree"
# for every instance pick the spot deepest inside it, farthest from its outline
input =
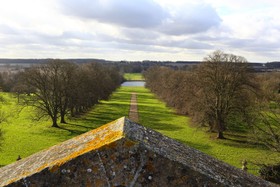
(266, 124)
(221, 88)
(67, 78)
(92, 82)
(169, 85)
(19, 87)
(266, 128)
(51, 83)
(3, 118)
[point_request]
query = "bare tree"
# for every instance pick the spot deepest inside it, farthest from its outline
(220, 91)
(169, 85)
(3, 118)
(92, 82)
(61, 87)
(49, 83)
(266, 124)
(67, 85)
(267, 128)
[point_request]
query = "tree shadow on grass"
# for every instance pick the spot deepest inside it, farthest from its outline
(242, 143)
(76, 125)
(233, 135)
(199, 146)
(73, 132)
(98, 121)
(238, 128)
(105, 112)
(157, 118)
(161, 126)
(104, 117)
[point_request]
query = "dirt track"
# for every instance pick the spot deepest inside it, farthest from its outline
(133, 111)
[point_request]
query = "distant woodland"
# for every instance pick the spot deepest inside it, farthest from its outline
(133, 66)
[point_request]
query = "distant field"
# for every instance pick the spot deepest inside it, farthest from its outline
(133, 76)
(24, 136)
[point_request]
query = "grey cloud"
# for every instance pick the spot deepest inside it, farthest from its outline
(140, 47)
(8, 30)
(140, 34)
(191, 19)
(143, 37)
(165, 42)
(128, 13)
(207, 38)
(188, 44)
(256, 45)
(77, 35)
(145, 14)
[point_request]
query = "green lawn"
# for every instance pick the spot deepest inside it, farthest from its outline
(154, 114)
(133, 76)
(24, 136)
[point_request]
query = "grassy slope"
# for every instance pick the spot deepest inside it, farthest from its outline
(133, 76)
(24, 137)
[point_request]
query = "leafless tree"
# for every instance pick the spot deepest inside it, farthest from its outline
(266, 124)
(221, 91)
(91, 81)
(267, 128)
(49, 83)
(67, 78)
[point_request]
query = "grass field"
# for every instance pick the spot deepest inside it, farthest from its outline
(154, 114)
(133, 76)
(24, 136)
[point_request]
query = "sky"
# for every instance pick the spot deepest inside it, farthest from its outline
(133, 30)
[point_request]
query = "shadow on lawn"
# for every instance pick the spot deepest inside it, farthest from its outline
(158, 124)
(104, 113)
(107, 114)
(242, 144)
(156, 117)
(73, 131)
(241, 141)
(199, 146)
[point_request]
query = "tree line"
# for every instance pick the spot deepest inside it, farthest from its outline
(222, 93)
(59, 87)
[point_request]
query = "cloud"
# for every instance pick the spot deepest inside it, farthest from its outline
(145, 14)
(191, 19)
(187, 44)
(133, 29)
(127, 13)
(77, 35)
(7, 30)
(257, 46)
(141, 34)
(153, 38)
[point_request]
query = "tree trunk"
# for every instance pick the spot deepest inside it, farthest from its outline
(220, 135)
(62, 118)
(72, 113)
(54, 120)
(220, 127)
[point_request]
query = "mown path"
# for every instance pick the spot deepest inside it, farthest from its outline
(133, 111)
